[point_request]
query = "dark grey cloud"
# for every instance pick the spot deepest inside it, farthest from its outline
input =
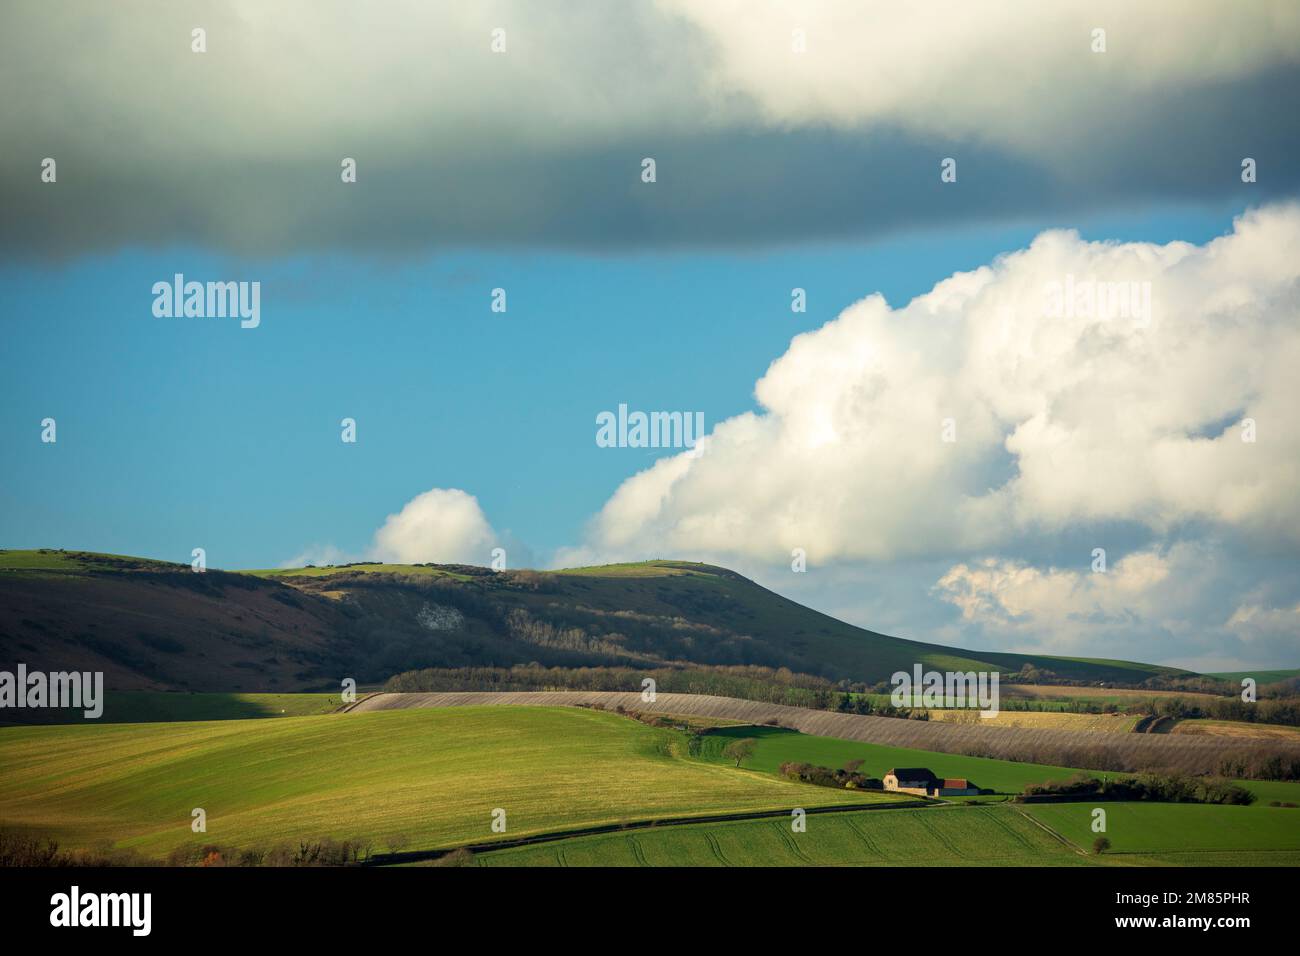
(239, 149)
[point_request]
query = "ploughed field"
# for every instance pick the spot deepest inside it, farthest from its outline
(1041, 720)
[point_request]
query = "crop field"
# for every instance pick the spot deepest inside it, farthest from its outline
(1189, 833)
(1099, 695)
(1041, 720)
(1001, 835)
(955, 836)
(1236, 728)
(1026, 699)
(432, 777)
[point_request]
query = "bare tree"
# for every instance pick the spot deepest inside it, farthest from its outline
(398, 842)
(740, 750)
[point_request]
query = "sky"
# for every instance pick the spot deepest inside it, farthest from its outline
(941, 442)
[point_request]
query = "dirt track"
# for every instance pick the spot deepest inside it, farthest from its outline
(1092, 749)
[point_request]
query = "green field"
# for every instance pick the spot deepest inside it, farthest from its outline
(1190, 833)
(1287, 791)
(777, 746)
(943, 836)
(1162, 834)
(434, 776)
(147, 706)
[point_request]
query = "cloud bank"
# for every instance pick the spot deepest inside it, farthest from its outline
(239, 148)
(1191, 603)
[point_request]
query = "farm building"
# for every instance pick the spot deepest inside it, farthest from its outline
(915, 780)
(923, 783)
(956, 787)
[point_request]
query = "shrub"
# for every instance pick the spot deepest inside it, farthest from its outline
(826, 777)
(1162, 788)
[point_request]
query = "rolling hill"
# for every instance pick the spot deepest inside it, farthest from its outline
(417, 781)
(431, 776)
(152, 625)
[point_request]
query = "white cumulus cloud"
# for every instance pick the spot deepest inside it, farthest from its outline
(441, 525)
(1063, 417)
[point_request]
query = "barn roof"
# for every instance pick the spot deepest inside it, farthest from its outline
(913, 773)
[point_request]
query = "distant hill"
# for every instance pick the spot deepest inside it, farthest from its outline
(1259, 676)
(157, 625)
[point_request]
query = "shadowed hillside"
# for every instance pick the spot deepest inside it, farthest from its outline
(155, 625)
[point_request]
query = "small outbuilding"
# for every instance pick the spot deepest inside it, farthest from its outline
(957, 787)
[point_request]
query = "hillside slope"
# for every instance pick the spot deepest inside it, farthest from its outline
(150, 625)
(432, 776)
(154, 625)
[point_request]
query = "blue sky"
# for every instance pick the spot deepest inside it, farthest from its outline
(176, 433)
